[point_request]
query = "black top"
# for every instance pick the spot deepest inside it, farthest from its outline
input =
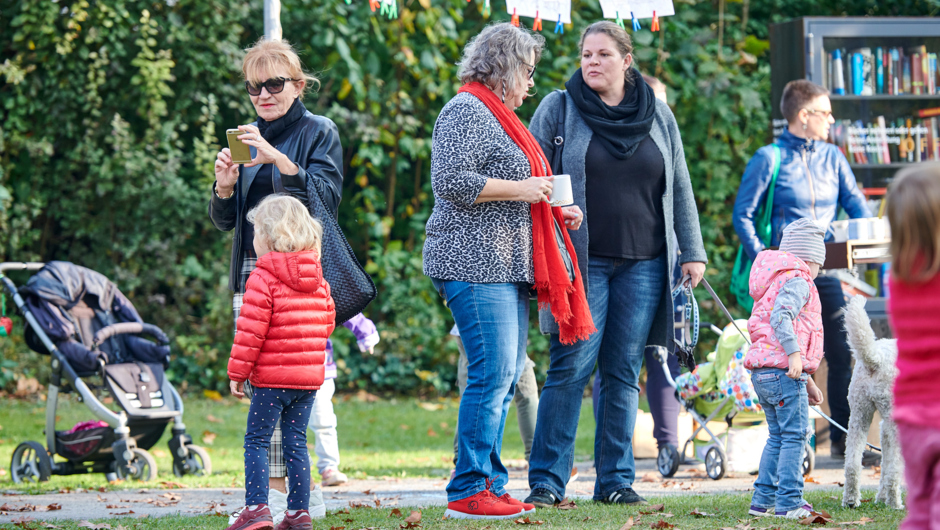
(261, 187)
(625, 202)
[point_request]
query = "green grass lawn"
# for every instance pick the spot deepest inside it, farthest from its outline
(398, 437)
(719, 511)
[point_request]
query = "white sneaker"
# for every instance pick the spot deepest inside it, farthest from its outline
(333, 477)
(317, 508)
(800, 513)
(234, 516)
(277, 503)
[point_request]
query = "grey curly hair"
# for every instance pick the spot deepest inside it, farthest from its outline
(498, 54)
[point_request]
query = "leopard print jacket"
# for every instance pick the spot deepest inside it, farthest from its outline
(489, 242)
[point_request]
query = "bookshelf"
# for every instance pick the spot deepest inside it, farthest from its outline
(880, 121)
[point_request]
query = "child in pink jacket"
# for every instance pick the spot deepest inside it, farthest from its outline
(786, 347)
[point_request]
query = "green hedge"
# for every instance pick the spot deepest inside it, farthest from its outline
(111, 113)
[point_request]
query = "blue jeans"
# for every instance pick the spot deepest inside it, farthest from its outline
(292, 407)
(624, 297)
(780, 478)
(493, 319)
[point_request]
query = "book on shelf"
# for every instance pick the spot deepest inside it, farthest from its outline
(894, 70)
(904, 139)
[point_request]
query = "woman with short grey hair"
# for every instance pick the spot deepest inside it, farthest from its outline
(479, 251)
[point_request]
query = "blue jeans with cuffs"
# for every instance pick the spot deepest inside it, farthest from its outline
(780, 477)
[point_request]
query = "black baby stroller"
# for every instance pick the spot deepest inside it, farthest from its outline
(92, 331)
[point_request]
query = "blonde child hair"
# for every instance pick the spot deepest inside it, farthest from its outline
(285, 225)
(914, 215)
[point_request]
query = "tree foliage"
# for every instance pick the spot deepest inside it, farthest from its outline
(113, 110)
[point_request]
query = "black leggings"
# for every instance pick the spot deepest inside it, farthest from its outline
(838, 355)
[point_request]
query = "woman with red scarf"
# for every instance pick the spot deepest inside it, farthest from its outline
(490, 237)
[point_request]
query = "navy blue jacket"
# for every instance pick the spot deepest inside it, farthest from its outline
(814, 180)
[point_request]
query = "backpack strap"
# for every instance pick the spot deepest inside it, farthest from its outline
(764, 222)
(559, 138)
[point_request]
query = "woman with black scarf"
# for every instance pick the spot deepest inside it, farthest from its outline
(629, 177)
(291, 149)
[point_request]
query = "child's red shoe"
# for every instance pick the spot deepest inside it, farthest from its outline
(298, 521)
(526, 508)
(257, 519)
(483, 505)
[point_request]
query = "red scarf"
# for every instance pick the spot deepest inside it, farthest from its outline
(566, 299)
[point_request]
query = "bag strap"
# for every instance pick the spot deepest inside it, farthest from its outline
(559, 138)
(763, 223)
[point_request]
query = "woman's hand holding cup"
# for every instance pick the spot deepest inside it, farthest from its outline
(535, 189)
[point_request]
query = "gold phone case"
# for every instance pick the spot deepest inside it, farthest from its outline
(241, 154)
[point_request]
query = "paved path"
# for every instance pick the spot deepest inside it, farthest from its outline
(384, 492)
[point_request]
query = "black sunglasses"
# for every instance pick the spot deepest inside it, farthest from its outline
(275, 85)
(532, 71)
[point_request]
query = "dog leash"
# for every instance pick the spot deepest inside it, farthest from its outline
(841, 428)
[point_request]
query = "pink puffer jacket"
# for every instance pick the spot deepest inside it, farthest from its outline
(771, 270)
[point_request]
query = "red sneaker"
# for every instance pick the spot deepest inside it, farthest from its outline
(483, 505)
(298, 521)
(526, 508)
(257, 519)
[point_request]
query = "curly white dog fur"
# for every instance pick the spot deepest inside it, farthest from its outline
(870, 390)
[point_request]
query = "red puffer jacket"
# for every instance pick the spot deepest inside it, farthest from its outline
(286, 317)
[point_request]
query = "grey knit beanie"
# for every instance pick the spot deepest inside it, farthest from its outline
(806, 240)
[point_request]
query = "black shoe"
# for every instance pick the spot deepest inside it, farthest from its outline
(542, 498)
(870, 459)
(837, 449)
(625, 496)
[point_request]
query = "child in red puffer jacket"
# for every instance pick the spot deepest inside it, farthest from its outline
(286, 318)
(913, 306)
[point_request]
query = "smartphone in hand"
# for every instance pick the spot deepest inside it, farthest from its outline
(241, 154)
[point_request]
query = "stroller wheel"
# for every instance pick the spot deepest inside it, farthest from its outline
(197, 463)
(809, 460)
(715, 463)
(668, 460)
(31, 462)
(143, 467)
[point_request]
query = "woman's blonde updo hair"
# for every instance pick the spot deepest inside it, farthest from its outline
(619, 35)
(285, 225)
(498, 55)
(266, 57)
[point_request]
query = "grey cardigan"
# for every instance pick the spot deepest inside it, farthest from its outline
(678, 202)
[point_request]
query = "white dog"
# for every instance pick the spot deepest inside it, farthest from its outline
(870, 390)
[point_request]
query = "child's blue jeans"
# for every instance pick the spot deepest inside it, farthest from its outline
(780, 479)
(293, 408)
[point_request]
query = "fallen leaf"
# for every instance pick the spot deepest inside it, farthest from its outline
(208, 437)
(443, 425)
(431, 432)
(650, 477)
(159, 453)
(23, 521)
(367, 492)
(171, 485)
(116, 507)
(213, 419)
(627, 525)
(396, 512)
(414, 517)
(404, 427)
(697, 513)
(863, 521)
(349, 520)
(212, 394)
(47, 525)
(337, 528)
(364, 396)
(527, 521)
(586, 519)
(93, 526)
(431, 406)
(810, 480)
(662, 524)
(128, 512)
(817, 518)
(410, 525)
(566, 504)
(653, 509)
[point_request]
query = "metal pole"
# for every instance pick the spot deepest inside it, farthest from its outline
(272, 19)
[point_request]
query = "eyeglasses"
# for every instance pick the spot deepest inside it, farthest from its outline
(275, 85)
(826, 114)
(532, 71)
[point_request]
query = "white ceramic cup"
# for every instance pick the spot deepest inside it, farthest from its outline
(561, 194)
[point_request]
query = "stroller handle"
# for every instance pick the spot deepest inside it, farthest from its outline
(20, 266)
(123, 328)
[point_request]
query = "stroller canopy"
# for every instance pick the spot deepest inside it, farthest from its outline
(71, 303)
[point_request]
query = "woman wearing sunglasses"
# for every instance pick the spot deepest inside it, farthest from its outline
(291, 149)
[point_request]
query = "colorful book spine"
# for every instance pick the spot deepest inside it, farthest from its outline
(838, 83)
(917, 75)
(906, 75)
(895, 71)
(858, 76)
(879, 71)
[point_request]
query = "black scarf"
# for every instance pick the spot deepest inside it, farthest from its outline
(619, 129)
(271, 129)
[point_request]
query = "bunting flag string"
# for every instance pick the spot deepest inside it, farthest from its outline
(540, 10)
(638, 10)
